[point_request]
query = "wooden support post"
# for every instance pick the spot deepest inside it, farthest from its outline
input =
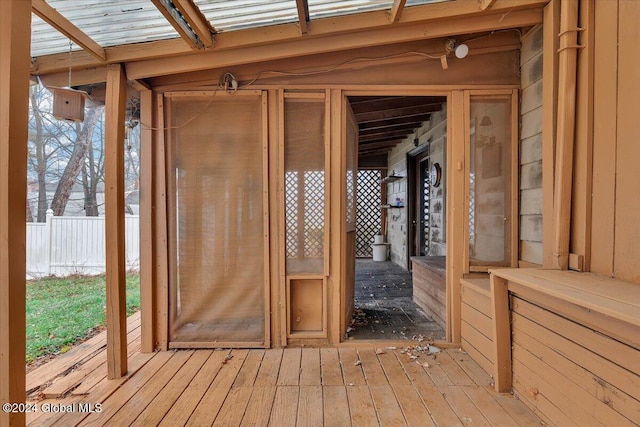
(565, 132)
(337, 211)
(15, 27)
(501, 334)
(147, 223)
(551, 28)
(114, 222)
(161, 241)
(455, 211)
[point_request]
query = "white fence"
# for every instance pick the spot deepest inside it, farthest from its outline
(75, 245)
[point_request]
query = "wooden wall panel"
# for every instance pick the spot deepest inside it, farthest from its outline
(476, 332)
(627, 226)
(560, 369)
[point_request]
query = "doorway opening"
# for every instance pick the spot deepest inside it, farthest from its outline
(396, 219)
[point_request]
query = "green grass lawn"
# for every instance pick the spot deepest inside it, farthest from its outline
(61, 311)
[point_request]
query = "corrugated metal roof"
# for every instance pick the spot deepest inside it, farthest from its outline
(108, 22)
(118, 22)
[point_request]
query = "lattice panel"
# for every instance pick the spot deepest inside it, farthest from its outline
(313, 214)
(426, 208)
(368, 212)
(291, 213)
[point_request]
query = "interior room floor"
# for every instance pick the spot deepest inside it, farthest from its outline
(384, 307)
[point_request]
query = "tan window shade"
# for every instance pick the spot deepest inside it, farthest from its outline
(218, 294)
(304, 158)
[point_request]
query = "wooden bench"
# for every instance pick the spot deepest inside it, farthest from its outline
(551, 324)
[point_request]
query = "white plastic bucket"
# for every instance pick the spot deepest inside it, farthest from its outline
(378, 238)
(379, 251)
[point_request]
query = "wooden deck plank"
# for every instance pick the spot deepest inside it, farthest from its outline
(125, 388)
(285, 407)
(213, 399)
(388, 409)
(189, 399)
(361, 407)
(208, 388)
(336, 406)
(453, 371)
(495, 414)
(330, 367)
(268, 373)
(62, 385)
(141, 397)
(522, 415)
(258, 410)
(392, 368)
(373, 372)
(310, 412)
(440, 410)
(247, 375)
(414, 410)
(234, 406)
(162, 403)
(463, 406)
(290, 367)
(310, 367)
(77, 354)
(351, 367)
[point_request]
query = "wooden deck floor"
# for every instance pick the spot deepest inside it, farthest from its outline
(328, 386)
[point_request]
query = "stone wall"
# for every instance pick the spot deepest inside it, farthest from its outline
(435, 133)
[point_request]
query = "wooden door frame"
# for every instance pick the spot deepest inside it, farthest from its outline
(412, 183)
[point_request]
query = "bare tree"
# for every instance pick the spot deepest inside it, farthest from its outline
(76, 161)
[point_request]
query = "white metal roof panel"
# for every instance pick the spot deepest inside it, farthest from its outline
(108, 22)
(228, 15)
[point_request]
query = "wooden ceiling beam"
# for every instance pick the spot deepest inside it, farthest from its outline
(485, 4)
(370, 146)
(374, 152)
(333, 43)
(399, 131)
(179, 23)
(381, 124)
(197, 21)
(239, 47)
(374, 139)
(393, 103)
(65, 27)
(396, 10)
(303, 15)
(398, 112)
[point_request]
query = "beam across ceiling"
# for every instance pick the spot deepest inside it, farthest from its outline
(435, 20)
(64, 26)
(331, 43)
(197, 21)
(396, 10)
(303, 15)
(179, 23)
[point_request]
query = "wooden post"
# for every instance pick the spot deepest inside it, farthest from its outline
(501, 334)
(455, 211)
(551, 28)
(15, 36)
(147, 223)
(565, 132)
(114, 222)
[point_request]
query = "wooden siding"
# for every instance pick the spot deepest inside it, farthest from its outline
(477, 334)
(429, 286)
(531, 147)
(574, 346)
